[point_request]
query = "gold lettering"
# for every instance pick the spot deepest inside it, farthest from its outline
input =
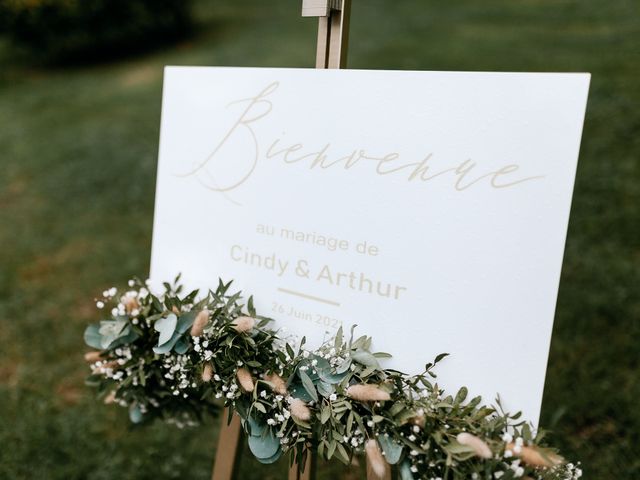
(260, 106)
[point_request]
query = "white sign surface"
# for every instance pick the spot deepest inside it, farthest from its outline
(429, 208)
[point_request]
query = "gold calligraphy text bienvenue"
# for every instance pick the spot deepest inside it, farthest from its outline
(210, 172)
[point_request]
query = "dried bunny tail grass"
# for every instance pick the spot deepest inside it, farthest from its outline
(110, 398)
(299, 410)
(535, 457)
(420, 420)
(199, 323)
(277, 383)
(478, 445)
(207, 373)
(245, 379)
(243, 324)
(376, 461)
(131, 304)
(367, 392)
(93, 357)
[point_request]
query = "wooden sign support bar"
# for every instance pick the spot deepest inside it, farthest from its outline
(333, 30)
(229, 448)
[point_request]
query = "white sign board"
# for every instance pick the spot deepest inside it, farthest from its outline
(429, 208)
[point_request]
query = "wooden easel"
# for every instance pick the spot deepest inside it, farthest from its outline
(333, 38)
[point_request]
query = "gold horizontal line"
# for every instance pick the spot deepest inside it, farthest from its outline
(308, 297)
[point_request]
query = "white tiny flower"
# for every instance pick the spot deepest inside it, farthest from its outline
(99, 304)
(131, 283)
(333, 397)
(113, 291)
(271, 421)
(414, 469)
(507, 438)
(114, 311)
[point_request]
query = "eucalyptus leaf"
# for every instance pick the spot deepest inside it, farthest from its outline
(298, 391)
(111, 330)
(166, 326)
(273, 459)
(325, 389)
(129, 336)
(135, 414)
(181, 346)
(256, 428)
(343, 367)
(185, 321)
(405, 471)
(166, 347)
(264, 446)
(392, 450)
(92, 336)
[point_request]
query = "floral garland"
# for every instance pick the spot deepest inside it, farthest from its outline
(179, 357)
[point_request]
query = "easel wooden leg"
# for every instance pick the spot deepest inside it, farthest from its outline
(227, 452)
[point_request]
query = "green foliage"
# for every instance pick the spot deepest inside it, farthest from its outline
(89, 30)
(147, 356)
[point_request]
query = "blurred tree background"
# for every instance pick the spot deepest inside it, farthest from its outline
(78, 146)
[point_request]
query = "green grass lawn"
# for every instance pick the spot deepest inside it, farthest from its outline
(78, 156)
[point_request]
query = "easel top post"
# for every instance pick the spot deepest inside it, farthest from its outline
(333, 30)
